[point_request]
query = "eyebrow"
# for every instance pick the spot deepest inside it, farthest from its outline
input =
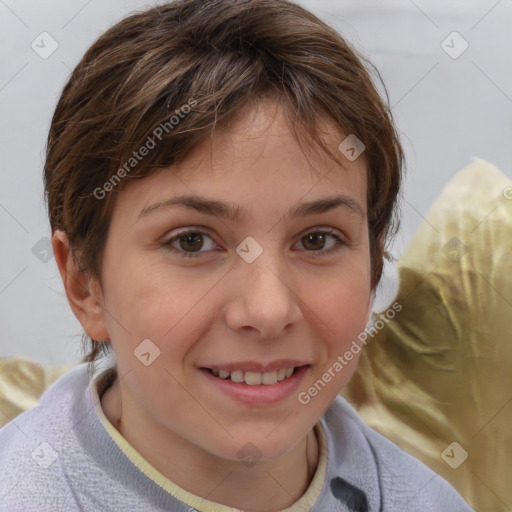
(233, 213)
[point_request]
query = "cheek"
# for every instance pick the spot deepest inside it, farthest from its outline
(346, 318)
(341, 306)
(342, 297)
(147, 301)
(342, 320)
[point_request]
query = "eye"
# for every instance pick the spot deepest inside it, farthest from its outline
(316, 241)
(188, 243)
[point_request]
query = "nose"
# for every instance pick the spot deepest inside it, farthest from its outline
(265, 302)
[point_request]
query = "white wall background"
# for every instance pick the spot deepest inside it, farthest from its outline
(447, 109)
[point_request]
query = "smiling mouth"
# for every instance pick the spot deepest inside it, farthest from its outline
(254, 378)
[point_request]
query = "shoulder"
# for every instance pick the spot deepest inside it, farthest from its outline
(34, 444)
(402, 480)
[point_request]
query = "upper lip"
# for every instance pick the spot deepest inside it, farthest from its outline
(253, 366)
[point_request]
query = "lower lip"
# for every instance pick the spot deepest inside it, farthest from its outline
(260, 394)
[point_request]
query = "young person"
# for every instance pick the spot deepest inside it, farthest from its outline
(221, 179)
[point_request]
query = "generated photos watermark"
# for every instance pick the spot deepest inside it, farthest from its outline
(144, 150)
(342, 361)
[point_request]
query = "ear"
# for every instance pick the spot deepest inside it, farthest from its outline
(83, 293)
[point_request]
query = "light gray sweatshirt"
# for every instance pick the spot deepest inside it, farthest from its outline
(64, 455)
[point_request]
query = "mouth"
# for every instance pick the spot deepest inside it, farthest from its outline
(254, 378)
(260, 389)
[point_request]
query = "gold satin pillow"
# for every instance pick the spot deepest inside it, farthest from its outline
(440, 372)
(22, 382)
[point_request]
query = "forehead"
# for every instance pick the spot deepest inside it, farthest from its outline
(255, 158)
(268, 123)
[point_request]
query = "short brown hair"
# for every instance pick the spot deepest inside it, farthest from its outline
(221, 55)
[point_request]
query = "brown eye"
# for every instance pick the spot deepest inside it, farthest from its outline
(322, 242)
(191, 242)
(314, 241)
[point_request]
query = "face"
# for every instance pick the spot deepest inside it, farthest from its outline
(246, 258)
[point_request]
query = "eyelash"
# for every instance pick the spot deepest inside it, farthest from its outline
(320, 253)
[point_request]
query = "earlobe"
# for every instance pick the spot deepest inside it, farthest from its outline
(85, 302)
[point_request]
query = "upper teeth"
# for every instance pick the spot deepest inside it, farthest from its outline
(255, 378)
